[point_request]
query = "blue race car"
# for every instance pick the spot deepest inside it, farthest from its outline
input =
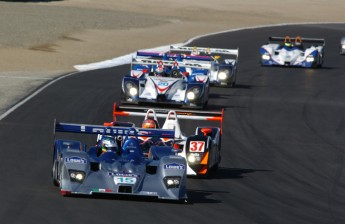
(293, 52)
(116, 164)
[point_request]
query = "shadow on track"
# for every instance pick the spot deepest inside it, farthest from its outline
(201, 197)
(231, 173)
(119, 197)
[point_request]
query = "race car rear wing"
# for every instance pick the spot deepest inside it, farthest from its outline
(163, 113)
(150, 61)
(319, 41)
(205, 50)
(111, 130)
(175, 56)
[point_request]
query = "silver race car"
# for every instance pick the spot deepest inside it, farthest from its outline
(116, 164)
(223, 62)
(293, 52)
(201, 150)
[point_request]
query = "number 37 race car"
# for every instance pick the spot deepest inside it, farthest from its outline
(201, 150)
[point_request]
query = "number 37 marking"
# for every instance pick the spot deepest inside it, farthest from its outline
(197, 146)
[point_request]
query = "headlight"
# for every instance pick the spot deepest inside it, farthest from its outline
(343, 46)
(193, 93)
(172, 182)
(310, 58)
(133, 91)
(222, 75)
(266, 57)
(191, 158)
(76, 175)
(194, 157)
(131, 88)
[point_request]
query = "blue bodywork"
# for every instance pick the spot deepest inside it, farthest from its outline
(125, 171)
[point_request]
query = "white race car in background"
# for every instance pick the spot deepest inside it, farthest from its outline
(223, 62)
(293, 52)
(342, 45)
(180, 83)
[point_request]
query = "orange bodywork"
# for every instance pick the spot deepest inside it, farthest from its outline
(203, 170)
(206, 131)
(204, 160)
(121, 113)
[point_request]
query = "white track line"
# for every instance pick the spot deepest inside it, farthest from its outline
(13, 108)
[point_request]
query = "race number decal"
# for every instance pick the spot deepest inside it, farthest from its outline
(197, 146)
(125, 180)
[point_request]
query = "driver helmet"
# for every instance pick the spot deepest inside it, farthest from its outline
(175, 65)
(298, 41)
(148, 123)
(159, 71)
(287, 44)
(108, 143)
(195, 51)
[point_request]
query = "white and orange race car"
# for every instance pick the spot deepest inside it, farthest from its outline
(201, 150)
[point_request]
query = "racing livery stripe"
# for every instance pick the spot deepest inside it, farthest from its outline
(161, 89)
(204, 160)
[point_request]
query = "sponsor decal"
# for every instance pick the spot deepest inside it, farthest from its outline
(163, 83)
(109, 131)
(75, 159)
(96, 130)
(184, 113)
(131, 145)
(144, 132)
(150, 193)
(118, 174)
(174, 166)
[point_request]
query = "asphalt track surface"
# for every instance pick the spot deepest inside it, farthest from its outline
(282, 148)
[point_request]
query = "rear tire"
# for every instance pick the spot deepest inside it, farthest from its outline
(55, 173)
